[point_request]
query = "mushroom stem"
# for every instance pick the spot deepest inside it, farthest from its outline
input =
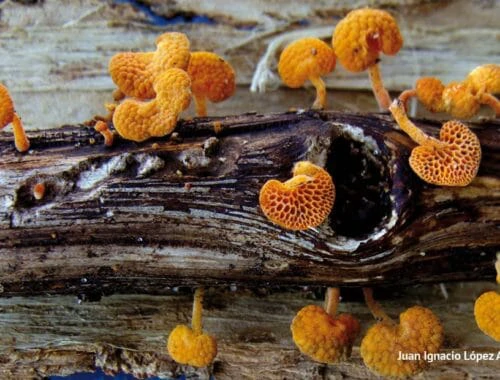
(375, 308)
(20, 139)
(320, 101)
(406, 95)
(332, 300)
(381, 94)
(200, 105)
(196, 323)
(416, 134)
(102, 128)
(491, 101)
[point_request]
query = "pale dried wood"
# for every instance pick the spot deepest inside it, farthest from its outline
(55, 54)
(47, 335)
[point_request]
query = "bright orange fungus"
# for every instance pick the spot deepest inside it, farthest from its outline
(303, 201)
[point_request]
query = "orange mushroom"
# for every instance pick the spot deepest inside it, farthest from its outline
(190, 345)
(451, 160)
(307, 59)
(137, 120)
(322, 336)
(460, 99)
(487, 309)
(358, 40)
(302, 202)
(212, 78)
(39, 191)
(8, 116)
(419, 332)
(135, 73)
(485, 78)
(103, 129)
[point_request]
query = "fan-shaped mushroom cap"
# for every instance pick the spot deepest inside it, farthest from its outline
(484, 78)
(419, 331)
(134, 73)
(359, 38)
(430, 93)
(302, 202)
(305, 58)
(487, 314)
(211, 76)
(187, 347)
(137, 120)
(454, 164)
(459, 101)
(322, 337)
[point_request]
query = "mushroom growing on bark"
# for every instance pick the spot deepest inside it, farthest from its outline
(212, 78)
(451, 160)
(321, 335)
(358, 40)
(307, 59)
(419, 331)
(460, 99)
(139, 120)
(135, 73)
(302, 202)
(189, 345)
(487, 309)
(8, 115)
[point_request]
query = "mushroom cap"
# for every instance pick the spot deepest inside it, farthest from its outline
(455, 164)
(418, 331)
(211, 76)
(186, 347)
(305, 58)
(134, 73)
(459, 101)
(322, 337)
(484, 78)
(430, 93)
(487, 314)
(302, 202)
(360, 36)
(139, 120)
(6, 107)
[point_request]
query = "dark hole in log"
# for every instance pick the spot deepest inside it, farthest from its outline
(362, 184)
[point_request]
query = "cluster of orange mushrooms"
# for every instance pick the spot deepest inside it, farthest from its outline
(154, 88)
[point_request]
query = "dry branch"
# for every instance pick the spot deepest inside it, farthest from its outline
(136, 218)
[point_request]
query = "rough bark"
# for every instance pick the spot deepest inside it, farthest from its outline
(136, 218)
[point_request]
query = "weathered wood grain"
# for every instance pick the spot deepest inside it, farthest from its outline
(187, 212)
(55, 54)
(58, 335)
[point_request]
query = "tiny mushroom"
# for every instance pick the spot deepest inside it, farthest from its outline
(358, 40)
(135, 73)
(487, 309)
(302, 202)
(8, 116)
(451, 160)
(321, 335)
(419, 332)
(137, 120)
(103, 129)
(39, 191)
(190, 345)
(307, 59)
(212, 78)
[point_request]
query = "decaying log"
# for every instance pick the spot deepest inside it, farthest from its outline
(135, 217)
